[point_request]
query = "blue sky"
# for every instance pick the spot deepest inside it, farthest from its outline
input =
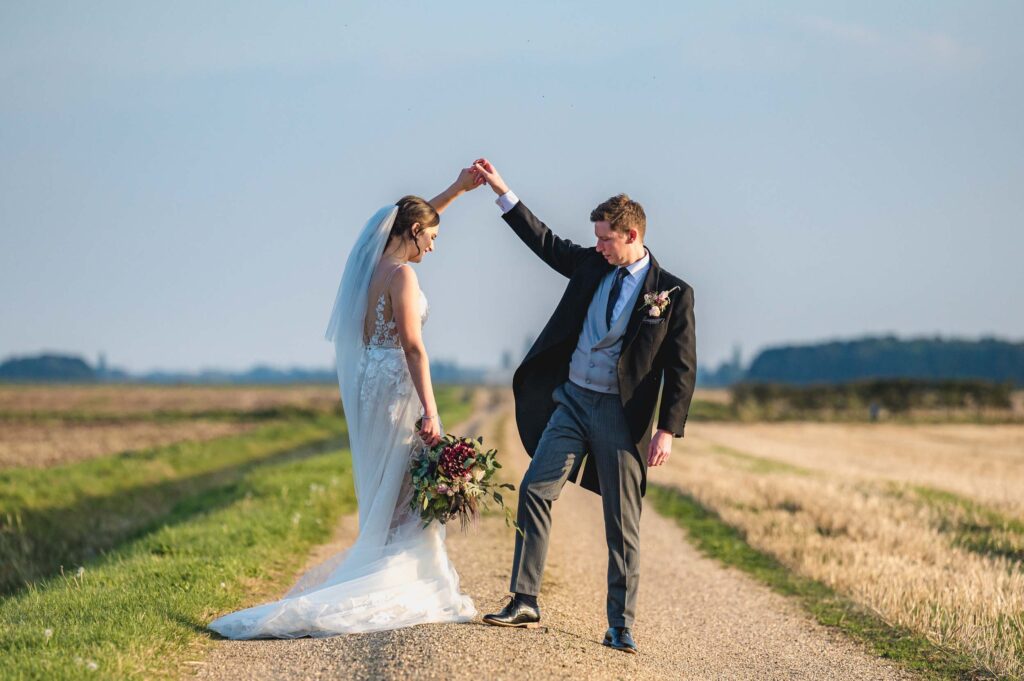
(180, 182)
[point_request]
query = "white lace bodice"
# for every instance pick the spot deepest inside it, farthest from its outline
(385, 331)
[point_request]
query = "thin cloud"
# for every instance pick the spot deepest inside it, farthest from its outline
(942, 48)
(846, 32)
(924, 47)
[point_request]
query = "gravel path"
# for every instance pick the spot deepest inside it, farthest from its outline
(695, 619)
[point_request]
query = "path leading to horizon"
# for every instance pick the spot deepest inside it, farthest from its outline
(695, 618)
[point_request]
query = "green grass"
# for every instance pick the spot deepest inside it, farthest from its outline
(136, 611)
(455, 404)
(67, 515)
(719, 540)
(758, 464)
(706, 410)
(975, 527)
(168, 539)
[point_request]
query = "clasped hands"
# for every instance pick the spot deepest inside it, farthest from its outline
(480, 172)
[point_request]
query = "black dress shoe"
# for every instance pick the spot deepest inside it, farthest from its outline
(515, 614)
(620, 638)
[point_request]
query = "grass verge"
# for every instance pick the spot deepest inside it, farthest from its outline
(717, 539)
(67, 515)
(455, 403)
(135, 612)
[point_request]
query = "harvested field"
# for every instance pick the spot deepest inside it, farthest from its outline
(50, 425)
(713, 395)
(39, 445)
(920, 524)
(121, 400)
(982, 462)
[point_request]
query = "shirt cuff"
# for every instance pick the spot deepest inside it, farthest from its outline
(507, 201)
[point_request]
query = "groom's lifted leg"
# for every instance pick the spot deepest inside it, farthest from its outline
(558, 457)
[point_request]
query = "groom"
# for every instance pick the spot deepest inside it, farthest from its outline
(586, 393)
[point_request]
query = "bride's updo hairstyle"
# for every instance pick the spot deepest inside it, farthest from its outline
(413, 209)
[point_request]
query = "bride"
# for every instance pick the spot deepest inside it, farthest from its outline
(397, 573)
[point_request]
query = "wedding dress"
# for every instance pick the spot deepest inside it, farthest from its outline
(397, 573)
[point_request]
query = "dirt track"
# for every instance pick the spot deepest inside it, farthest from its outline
(695, 619)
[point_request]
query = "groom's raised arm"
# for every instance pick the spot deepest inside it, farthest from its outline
(561, 254)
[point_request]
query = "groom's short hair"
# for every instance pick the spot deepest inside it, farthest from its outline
(622, 213)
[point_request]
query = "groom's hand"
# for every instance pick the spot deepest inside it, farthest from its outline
(660, 448)
(483, 168)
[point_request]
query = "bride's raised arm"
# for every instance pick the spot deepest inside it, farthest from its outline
(466, 181)
(405, 304)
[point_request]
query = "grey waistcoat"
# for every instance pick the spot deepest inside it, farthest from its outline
(596, 357)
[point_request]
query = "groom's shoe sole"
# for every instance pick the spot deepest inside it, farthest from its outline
(521, 625)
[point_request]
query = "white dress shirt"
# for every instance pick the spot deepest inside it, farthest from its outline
(637, 271)
(507, 201)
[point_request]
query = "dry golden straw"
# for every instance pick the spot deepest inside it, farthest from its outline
(844, 504)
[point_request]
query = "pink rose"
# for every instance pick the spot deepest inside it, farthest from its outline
(654, 311)
(442, 488)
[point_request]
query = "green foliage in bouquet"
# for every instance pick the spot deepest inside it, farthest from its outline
(454, 478)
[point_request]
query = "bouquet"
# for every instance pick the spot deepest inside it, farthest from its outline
(454, 479)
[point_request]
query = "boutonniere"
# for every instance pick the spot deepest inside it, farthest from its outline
(656, 302)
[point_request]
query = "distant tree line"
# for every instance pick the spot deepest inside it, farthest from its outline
(53, 368)
(987, 359)
(47, 368)
(894, 395)
(875, 357)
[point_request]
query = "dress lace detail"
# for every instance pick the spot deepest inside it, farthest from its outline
(385, 333)
(385, 364)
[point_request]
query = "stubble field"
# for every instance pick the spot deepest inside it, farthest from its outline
(921, 524)
(44, 426)
(122, 400)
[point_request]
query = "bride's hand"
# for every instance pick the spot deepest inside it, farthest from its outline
(468, 180)
(430, 431)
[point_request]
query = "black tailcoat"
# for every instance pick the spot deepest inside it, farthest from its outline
(655, 351)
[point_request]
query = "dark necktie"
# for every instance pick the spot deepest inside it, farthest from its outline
(613, 297)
